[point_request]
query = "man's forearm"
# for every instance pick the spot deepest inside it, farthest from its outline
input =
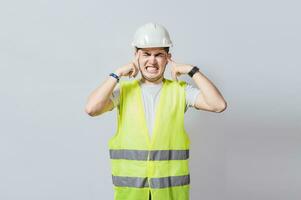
(99, 97)
(210, 93)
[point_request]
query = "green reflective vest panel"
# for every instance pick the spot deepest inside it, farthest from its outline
(159, 164)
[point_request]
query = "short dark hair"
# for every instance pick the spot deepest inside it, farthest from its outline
(165, 49)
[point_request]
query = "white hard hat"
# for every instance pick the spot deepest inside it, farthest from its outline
(151, 35)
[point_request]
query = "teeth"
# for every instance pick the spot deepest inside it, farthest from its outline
(152, 69)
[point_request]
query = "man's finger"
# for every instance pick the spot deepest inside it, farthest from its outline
(171, 60)
(137, 59)
(136, 64)
(134, 71)
(174, 75)
(129, 74)
(136, 74)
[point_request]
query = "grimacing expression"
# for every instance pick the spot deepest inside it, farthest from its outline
(152, 62)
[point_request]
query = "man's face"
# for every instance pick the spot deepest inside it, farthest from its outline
(152, 62)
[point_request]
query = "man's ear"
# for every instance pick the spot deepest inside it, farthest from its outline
(136, 51)
(168, 55)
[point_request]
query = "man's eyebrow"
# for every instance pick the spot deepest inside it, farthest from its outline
(155, 54)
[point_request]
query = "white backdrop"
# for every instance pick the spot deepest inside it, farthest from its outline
(54, 53)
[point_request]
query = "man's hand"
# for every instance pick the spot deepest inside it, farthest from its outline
(178, 69)
(131, 69)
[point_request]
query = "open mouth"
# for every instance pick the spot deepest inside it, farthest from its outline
(152, 69)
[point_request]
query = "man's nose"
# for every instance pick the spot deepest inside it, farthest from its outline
(152, 60)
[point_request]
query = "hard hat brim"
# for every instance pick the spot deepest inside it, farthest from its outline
(151, 46)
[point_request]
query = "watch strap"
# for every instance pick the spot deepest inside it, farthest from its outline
(193, 71)
(115, 76)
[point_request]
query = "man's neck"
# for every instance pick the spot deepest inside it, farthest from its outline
(157, 82)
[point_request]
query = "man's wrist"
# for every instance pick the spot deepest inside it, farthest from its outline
(194, 70)
(117, 73)
(190, 68)
(114, 75)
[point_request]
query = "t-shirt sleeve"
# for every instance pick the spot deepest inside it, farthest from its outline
(191, 95)
(115, 96)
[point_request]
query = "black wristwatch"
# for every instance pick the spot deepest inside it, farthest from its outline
(193, 71)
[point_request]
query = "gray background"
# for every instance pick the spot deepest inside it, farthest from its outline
(54, 53)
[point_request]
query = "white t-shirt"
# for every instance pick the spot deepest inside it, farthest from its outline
(150, 94)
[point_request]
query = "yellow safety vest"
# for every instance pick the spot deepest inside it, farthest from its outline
(141, 164)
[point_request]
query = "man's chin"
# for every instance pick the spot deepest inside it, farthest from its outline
(152, 78)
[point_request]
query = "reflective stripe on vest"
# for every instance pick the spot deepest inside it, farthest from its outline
(153, 154)
(124, 181)
(140, 182)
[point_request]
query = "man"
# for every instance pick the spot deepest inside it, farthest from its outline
(150, 150)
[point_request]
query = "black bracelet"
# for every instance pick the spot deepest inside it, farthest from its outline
(193, 71)
(115, 76)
